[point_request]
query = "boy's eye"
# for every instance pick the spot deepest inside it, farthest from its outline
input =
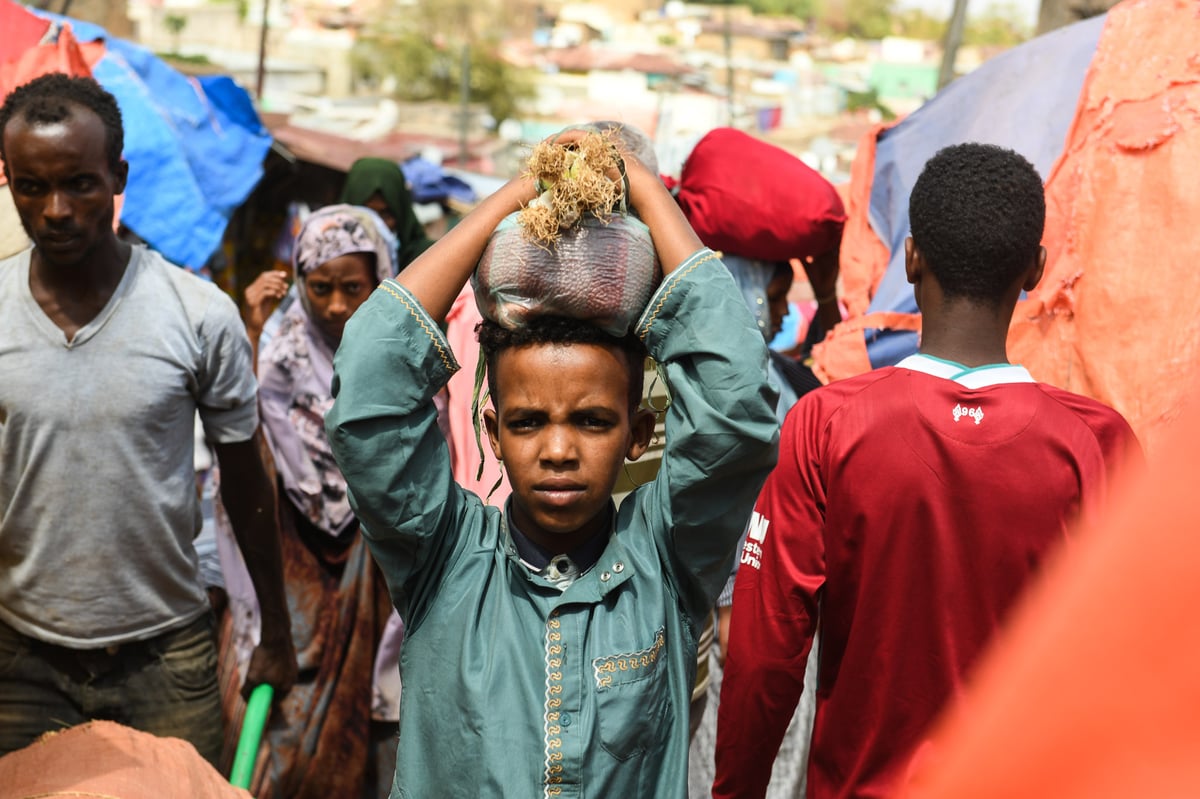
(596, 423)
(82, 185)
(352, 288)
(320, 289)
(522, 424)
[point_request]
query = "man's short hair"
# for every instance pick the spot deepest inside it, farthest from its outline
(48, 99)
(977, 213)
(494, 339)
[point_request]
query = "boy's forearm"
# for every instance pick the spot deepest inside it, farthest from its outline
(439, 273)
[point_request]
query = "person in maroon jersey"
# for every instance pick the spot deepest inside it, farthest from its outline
(911, 504)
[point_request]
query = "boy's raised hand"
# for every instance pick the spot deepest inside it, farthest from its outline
(437, 275)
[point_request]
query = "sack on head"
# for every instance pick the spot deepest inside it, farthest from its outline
(575, 251)
(599, 271)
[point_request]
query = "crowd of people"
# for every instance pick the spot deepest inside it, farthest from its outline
(784, 610)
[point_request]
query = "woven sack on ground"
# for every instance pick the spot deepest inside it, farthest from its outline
(600, 271)
(105, 760)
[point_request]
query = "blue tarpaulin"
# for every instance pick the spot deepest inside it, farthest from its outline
(1023, 99)
(195, 147)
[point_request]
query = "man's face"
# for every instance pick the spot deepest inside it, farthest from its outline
(62, 184)
(563, 429)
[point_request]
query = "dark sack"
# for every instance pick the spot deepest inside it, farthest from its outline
(749, 198)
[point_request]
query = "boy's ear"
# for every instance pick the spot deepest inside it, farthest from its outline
(492, 425)
(642, 430)
(1034, 275)
(914, 264)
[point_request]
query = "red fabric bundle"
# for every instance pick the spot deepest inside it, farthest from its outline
(749, 198)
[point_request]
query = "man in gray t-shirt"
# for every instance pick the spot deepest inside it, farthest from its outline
(107, 352)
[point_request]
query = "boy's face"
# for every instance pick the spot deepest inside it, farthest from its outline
(563, 428)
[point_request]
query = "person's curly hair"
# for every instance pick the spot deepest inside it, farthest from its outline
(48, 99)
(494, 339)
(977, 213)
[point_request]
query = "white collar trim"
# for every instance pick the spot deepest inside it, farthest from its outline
(996, 374)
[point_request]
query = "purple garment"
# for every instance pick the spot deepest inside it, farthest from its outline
(296, 369)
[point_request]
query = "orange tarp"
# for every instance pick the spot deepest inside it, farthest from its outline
(105, 759)
(1116, 316)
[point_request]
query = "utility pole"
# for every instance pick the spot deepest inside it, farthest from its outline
(729, 62)
(262, 53)
(464, 95)
(954, 36)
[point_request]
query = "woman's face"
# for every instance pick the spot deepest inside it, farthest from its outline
(336, 288)
(379, 205)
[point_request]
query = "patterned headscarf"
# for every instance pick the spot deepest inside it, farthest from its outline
(296, 368)
(338, 230)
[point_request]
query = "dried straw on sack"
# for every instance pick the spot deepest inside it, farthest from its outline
(574, 251)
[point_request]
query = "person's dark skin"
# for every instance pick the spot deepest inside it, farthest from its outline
(777, 297)
(336, 289)
(436, 277)
(564, 441)
(63, 187)
(822, 273)
(379, 205)
(959, 329)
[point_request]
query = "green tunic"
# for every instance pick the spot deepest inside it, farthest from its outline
(512, 687)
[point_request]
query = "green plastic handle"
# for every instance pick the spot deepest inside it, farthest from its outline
(253, 723)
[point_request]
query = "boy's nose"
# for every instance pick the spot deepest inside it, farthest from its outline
(559, 445)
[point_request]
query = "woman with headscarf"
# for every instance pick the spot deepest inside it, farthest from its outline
(379, 184)
(319, 734)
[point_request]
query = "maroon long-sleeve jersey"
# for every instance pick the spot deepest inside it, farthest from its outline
(909, 507)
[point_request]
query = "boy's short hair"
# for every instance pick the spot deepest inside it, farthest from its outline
(494, 339)
(977, 213)
(48, 99)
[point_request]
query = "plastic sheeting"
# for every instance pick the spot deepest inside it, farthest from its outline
(195, 146)
(1117, 314)
(1024, 100)
(1108, 109)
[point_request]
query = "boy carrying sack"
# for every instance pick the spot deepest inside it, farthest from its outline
(551, 647)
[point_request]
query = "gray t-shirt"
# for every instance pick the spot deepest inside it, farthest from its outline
(98, 504)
